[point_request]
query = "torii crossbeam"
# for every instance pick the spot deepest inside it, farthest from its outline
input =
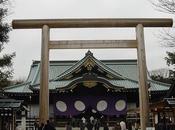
(139, 24)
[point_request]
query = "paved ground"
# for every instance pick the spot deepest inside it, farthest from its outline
(101, 128)
(77, 128)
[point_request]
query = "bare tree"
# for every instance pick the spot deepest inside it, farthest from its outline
(18, 81)
(167, 6)
(167, 36)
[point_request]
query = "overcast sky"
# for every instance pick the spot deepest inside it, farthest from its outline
(27, 43)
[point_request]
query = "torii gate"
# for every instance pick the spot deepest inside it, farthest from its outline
(46, 24)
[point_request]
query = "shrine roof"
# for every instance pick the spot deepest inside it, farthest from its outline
(10, 103)
(122, 73)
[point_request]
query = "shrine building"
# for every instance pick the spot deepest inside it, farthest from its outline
(103, 89)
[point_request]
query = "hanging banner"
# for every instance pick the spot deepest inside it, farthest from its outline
(74, 105)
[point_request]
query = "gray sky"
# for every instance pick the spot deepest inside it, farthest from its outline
(27, 43)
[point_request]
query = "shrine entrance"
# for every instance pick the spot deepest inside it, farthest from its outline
(90, 99)
(137, 43)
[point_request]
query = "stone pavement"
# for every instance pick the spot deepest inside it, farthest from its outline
(101, 128)
(77, 128)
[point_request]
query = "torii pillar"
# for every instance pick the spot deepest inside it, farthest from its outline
(139, 24)
(44, 76)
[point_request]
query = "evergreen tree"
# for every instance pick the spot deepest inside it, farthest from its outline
(171, 62)
(6, 70)
(161, 79)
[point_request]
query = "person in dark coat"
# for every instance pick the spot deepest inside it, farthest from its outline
(89, 125)
(97, 124)
(41, 126)
(105, 127)
(52, 123)
(161, 126)
(36, 125)
(82, 125)
(68, 126)
(48, 126)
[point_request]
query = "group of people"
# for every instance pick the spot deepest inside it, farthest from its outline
(90, 125)
(48, 126)
(95, 124)
(165, 125)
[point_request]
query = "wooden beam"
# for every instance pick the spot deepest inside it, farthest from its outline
(142, 73)
(44, 82)
(90, 23)
(92, 44)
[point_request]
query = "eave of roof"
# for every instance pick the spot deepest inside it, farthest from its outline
(114, 67)
(19, 88)
(10, 103)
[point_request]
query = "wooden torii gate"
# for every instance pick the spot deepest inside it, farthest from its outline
(138, 43)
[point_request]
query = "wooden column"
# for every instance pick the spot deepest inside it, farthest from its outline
(13, 119)
(44, 77)
(142, 73)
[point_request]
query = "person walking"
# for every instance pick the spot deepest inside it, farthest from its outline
(48, 126)
(106, 126)
(36, 125)
(68, 126)
(89, 125)
(82, 125)
(41, 127)
(97, 124)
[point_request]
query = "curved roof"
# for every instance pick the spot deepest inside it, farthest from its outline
(89, 59)
(119, 73)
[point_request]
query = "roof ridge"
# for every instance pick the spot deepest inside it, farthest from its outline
(73, 66)
(36, 73)
(88, 55)
(118, 74)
